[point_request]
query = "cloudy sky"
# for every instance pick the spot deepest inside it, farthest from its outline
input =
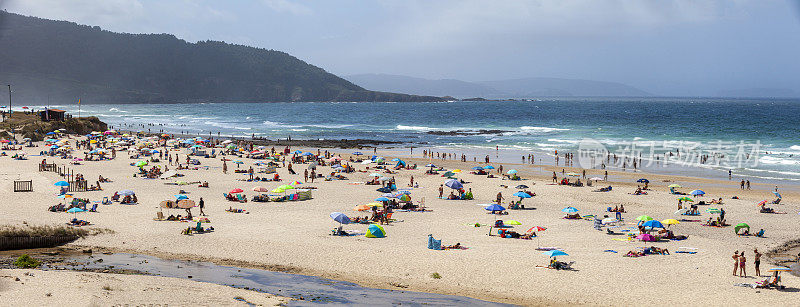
(667, 47)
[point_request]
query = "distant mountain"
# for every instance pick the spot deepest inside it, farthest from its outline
(516, 88)
(57, 61)
(420, 86)
(760, 93)
(537, 87)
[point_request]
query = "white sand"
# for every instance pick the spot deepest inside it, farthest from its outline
(295, 235)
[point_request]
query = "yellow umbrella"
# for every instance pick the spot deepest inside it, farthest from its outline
(512, 222)
(670, 222)
(456, 171)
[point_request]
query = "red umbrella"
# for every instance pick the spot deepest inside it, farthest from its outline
(236, 190)
(537, 228)
(762, 203)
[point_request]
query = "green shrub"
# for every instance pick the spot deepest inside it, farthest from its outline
(26, 262)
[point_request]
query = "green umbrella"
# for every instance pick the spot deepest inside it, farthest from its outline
(674, 185)
(141, 163)
(740, 226)
(685, 199)
(644, 218)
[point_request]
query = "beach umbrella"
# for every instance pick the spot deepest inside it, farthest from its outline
(512, 222)
(340, 217)
(381, 199)
(405, 197)
(521, 186)
(569, 210)
(670, 222)
(644, 218)
(778, 195)
(357, 153)
(573, 174)
(366, 162)
(395, 160)
(448, 174)
(478, 168)
(537, 229)
(235, 191)
(596, 178)
(50, 133)
(554, 253)
(609, 220)
(488, 167)
(61, 184)
(286, 187)
(384, 179)
(522, 195)
(453, 184)
(511, 172)
(185, 204)
(643, 180)
(141, 163)
(646, 237)
(674, 185)
(685, 199)
(260, 189)
(126, 192)
(780, 269)
(168, 174)
(456, 171)
(362, 208)
(181, 197)
(307, 154)
(375, 231)
(653, 224)
(740, 226)
(375, 175)
(713, 210)
(430, 165)
(697, 192)
(494, 207)
(295, 183)
(74, 211)
(65, 196)
(761, 203)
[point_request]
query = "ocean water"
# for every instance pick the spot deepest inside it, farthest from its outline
(757, 138)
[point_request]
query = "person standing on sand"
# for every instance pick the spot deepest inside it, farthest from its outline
(224, 167)
(730, 174)
(500, 169)
(742, 262)
(250, 172)
(742, 184)
(202, 206)
(412, 181)
(584, 174)
(555, 178)
(748, 185)
(305, 176)
(605, 177)
(313, 175)
(499, 197)
(735, 262)
(757, 262)
(441, 190)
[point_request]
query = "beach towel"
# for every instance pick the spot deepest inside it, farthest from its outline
(685, 252)
(610, 251)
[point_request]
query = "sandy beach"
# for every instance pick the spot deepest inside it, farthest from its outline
(295, 236)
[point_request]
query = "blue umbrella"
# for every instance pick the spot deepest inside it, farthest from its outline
(569, 210)
(488, 167)
(357, 153)
(126, 193)
(297, 152)
(381, 199)
(494, 207)
(340, 217)
(181, 196)
(643, 180)
(555, 252)
(511, 172)
(478, 168)
(75, 210)
(653, 224)
(697, 192)
(430, 165)
(453, 184)
(522, 195)
(307, 154)
(62, 184)
(50, 133)
(778, 195)
(395, 160)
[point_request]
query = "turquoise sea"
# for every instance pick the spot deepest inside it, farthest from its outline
(755, 138)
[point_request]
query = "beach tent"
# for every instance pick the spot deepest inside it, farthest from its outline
(511, 172)
(375, 231)
(740, 226)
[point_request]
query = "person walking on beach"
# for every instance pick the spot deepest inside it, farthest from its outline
(757, 262)
(605, 177)
(742, 184)
(441, 190)
(584, 174)
(202, 206)
(305, 176)
(224, 167)
(313, 175)
(742, 263)
(735, 262)
(730, 174)
(748, 185)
